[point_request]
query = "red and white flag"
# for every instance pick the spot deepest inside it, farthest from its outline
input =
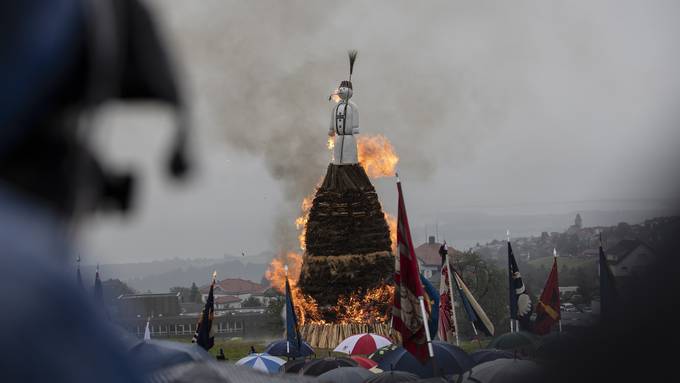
(407, 317)
(447, 329)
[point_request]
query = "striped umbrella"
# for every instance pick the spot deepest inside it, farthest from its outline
(263, 362)
(362, 344)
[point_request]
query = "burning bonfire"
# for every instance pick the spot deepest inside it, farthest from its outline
(341, 281)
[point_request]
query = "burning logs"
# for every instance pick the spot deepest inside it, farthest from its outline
(347, 241)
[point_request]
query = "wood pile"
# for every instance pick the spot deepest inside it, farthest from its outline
(346, 216)
(328, 335)
(348, 245)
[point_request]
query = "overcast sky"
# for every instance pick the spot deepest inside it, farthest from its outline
(523, 105)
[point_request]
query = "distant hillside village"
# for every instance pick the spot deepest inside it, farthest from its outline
(246, 308)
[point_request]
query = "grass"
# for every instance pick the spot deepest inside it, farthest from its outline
(571, 262)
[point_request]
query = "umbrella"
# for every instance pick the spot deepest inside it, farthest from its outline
(345, 375)
(210, 372)
(502, 371)
(448, 359)
(294, 366)
(552, 345)
(157, 354)
(364, 362)
(362, 344)
(393, 376)
(487, 355)
(282, 348)
(395, 357)
(262, 362)
(317, 367)
(522, 341)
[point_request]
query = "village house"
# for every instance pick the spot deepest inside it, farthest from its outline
(630, 257)
(231, 292)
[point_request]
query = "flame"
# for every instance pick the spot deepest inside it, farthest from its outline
(301, 221)
(379, 159)
(370, 308)
(305, 306)
(377, 156)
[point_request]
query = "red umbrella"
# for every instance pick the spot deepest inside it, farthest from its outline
(364, 362)
(362, 344)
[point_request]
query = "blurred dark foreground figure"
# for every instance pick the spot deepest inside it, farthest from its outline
(60, 60)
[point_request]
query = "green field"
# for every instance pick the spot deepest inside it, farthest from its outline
(571, 262)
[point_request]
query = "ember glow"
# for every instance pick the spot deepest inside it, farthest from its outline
(301, 221)
(331, 143)
(377, 155)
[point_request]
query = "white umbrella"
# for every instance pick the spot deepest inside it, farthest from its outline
(362, 344)
(263, 362)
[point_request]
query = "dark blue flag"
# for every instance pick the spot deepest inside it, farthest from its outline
(608, 291)
(293, 338)
(519, 300)
(205, 333)
(473, 310)
(98, 289)
(432, 300)
(79, 278)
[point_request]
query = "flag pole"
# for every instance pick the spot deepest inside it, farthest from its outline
(285, 267)
(512, 321)
(558, 287)
(453, 306)
(427, 327)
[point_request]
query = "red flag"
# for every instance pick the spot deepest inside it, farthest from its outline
(447, 329)
(548, 308)
(407, 317)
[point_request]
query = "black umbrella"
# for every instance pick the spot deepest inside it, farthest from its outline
(154, 354)
(448, 360)
(317, 367)
(345, 375)
(487, 355)
(213, 372)
(396, 358)
(283, 348)
(294, 366)
(393, 377)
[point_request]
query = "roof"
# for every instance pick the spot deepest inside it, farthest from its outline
(235, 286)
(149, 296)
(227, 299)
(623, 248)
(429, 253)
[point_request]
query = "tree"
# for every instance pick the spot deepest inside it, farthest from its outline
(195, 294)
(488, 284)
(251, 302)
(113, 288)
(274, 315)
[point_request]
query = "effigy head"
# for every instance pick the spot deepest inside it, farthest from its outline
(345, 90)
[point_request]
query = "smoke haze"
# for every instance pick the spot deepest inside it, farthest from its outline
(489, 104)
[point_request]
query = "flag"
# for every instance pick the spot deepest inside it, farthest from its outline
(608, 291)
(407, 317)
(98, 289)
(548, 308)
(431, 304)
(79, 278)
(147, 332)
(473, 310)
(293, 338)
(520, 302)
(447, 329)
(205, 332)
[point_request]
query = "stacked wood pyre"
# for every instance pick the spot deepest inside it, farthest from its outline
(348, 246)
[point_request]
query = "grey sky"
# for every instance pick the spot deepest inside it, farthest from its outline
(526, 105)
